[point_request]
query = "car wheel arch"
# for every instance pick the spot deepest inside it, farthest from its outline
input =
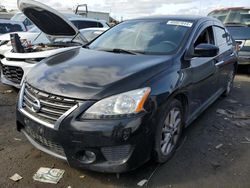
(181, 96)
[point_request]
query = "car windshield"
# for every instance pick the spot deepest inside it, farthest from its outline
(147, 37)
(232, 17)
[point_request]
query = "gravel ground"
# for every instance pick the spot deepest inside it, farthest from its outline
(214, 153)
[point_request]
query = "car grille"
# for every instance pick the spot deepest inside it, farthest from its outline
(12, 73)
(116, 153)
(48, 144)
(52, 107)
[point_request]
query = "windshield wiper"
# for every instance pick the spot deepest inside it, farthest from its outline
(86, 46)
(235, 23)
(118, 50)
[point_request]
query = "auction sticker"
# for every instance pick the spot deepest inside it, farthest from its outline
(180, 23)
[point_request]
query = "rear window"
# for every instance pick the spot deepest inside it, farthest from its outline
(86, 24)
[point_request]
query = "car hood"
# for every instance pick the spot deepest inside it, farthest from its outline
(239, 33)
(49, 21)
(93, 75)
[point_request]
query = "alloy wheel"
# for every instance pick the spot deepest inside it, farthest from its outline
(171, 131)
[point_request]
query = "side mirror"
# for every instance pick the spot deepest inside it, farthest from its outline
(225, 35)
(206, 50)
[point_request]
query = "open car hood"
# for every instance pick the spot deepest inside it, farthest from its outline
(49, 21)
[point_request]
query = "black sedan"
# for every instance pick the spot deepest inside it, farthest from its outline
(126, 97)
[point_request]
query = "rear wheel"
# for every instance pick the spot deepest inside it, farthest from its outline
(168, 131)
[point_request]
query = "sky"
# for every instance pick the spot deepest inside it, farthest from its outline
(126, 9)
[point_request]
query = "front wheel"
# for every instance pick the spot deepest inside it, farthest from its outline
(168, 132)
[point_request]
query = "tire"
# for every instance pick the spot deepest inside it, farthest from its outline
(229, 85)
(166, 143)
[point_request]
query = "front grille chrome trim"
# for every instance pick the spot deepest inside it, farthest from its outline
(62, 117)
(36, 119)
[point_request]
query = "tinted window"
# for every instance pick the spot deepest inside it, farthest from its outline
(149, 37)
(7, 28)
(206, 37)
(220, 34)
(86, 24)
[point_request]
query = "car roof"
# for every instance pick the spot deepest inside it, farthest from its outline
(188, 18)
(231, 8)
(83, 19)
(177, 17)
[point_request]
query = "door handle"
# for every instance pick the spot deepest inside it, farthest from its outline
(232, 54)
(218, 63)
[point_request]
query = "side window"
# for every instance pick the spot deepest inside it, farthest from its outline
(206, 37)
(221, 36)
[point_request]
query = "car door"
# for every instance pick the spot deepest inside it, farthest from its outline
(227, 55)
(203, 71)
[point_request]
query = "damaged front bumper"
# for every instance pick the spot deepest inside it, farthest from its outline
(114, 145)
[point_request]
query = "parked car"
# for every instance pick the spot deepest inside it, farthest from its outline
(15, 65)
(7, 26)
(127, 96)
(237, 22)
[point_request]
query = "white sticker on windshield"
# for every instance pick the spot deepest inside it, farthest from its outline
(180, 23)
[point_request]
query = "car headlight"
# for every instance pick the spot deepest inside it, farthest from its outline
(124, 104)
